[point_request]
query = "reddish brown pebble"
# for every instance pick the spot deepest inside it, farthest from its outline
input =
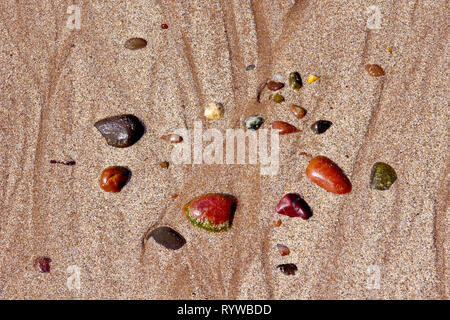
(284, 127)
(211, 211)
(277, 223)
(298, 112)
(292, 205)
(172, 138)
(274, 85)
(174, 196)
(327, 175)
(164, 26)
(164, 164)
(283, 250)
(113, 179)
(375, 70)
(43, 264)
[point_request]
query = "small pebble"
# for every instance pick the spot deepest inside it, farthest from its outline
(278, 98)
(135, 43)
(121, 131)
(327, 175)
(254, 122)
(288, 269)
(283, 250)
(214, 111)
(284, 127)
(274, 85)
(389, 49)
(172, 138)
(277, 223)
(382, 176)
(321, 126)
(168, 238)
(113, 179)
(211, 211)
(295, 81)
(43, 264)
(164, 26)
(312, 78)
(164, 164)
(374, 70)
(250, 67)
(293, 205)
(297, 111)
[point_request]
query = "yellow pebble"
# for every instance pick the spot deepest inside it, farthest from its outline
(214, 111)
(389, 49)
(312, 78)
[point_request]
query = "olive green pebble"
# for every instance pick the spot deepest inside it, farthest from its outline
(254, 122)
(382, 176)
(295, 81)
(278, 98)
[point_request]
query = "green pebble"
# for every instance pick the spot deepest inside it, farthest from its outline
(278, 98)
(382, 176)
(295, 81)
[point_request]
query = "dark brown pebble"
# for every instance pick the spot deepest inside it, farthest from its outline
(121, 131)
(66, 163)
(43, 264)
(374, 70)
(164, 164)
(274, 85)
(321, 126)
(168, 238)
(135, 43)
(288, 268)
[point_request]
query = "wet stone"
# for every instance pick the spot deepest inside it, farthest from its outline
(278, 98)
(121, 131)
(284, 127)
(250, 67)
(168, 238)
(113, 179)
(172, 138)
(327, 175)
(274, 85)
(43, 264)
(375, 70)
(382, 176)
(297, 111)
(293, 205)
(254, 122)
(288, 268)
(295, 81)
(283, 250)
(321, 126)
(135, 43)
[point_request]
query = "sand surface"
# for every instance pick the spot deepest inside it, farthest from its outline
(56, 83)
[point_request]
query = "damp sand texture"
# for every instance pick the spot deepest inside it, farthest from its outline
(57, 82)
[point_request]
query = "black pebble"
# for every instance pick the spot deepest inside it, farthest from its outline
(121, 131)
(168, 238)
(288, 268)
(321, 126)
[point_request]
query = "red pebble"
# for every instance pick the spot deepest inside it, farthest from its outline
(211, 211)
(164, 26)
(43, 264)
(327, 175)
(292, 205)
(284, 127)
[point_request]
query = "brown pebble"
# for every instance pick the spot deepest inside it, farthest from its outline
(135, 43)
(164, 164)
(284, 127)
(172, 138)
(274, 85)
(113, 179)
(297, 111)
(375, 70)
(277, 223)
(283, 250)
(168, 238)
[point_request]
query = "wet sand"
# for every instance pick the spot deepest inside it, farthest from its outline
(56, 83)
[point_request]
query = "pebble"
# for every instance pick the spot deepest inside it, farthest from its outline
(168, 238)
(214, 111)
(135, 43)
(274, 85)
(278, 98)
(321, 126)
(164, 164)
(43, 264)
(254, 122)
(375, 70)
(283, 250)
(295, 81)
(292, 205)
(211, 211)
(297, 111)
(312, 78)
(172, 138)
(113, 179)
(382, 176)
(288, 269)
(250, 67)
(327, 175)
(164, 26)
(277, 223)
(121, 131)
(284, 127)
